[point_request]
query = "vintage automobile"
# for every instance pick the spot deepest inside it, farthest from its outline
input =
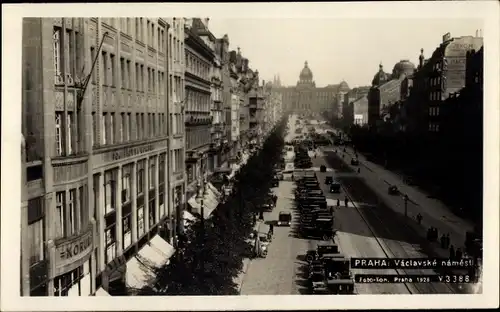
(339, 277)
(319, 228)
(316, 254)
(322, 168)
(393, 190)
(275, 182)
(279, 175)
(335, 187)
(355, 162)
(284, 218)
(328, 179)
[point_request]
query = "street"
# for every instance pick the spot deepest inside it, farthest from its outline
(282, 271)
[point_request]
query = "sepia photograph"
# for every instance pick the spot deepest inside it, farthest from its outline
(260, 156)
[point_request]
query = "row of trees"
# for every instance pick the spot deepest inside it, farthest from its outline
(448, 164)
(213, 255)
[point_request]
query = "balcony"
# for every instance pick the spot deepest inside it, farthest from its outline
(192, 156)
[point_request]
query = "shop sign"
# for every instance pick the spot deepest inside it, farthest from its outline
(132, 151)
(72, 250)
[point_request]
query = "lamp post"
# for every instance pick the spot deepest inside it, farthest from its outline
(406, 205)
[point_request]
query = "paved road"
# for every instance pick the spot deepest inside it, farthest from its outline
(280, 272)
(389, 228)
(355, 239)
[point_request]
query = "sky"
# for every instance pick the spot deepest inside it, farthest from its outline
(335, 49)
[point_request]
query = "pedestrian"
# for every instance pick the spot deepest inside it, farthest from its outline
(359, 170)
(458, 254)
(443, 241)
(448, 240)
(292, 177)
(271, 229)
(261, 216)
(452, 252)
(429, 234)
(436, 234)
(338, 202)
(254, 219)
(346, 201)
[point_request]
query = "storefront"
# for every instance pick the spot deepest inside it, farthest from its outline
(72, 265)
(141, 267)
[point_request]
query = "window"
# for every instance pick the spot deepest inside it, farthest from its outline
(152, 212)
(129, 126)
(143, 125)
(137, 28)
(161, 170)
(110, 244)
(151, 175)
(71, 206)
(112, 69)
(84, 217)
(111, 128)
(104, 69)
(59, 137)
(56, 38)
(126, 228)
(122, 129)
(126, 171)
(70, 133)
(123, 74)
(130, 78)
(36, 236)
(137, 75)
(138, 126)
(140, 221)
(109, 192)
(103, 128)
(61, 213)
(69, 284)
(93, 134)
(140, 177)
(437, 111)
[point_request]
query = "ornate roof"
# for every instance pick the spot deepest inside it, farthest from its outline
(306, 73)
(343, 86)
(403, 68)
(380, 77)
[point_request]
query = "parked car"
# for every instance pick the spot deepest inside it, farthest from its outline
(328, 179)
(285, 218)
(322, 168)
(393, 190)
(355, 162)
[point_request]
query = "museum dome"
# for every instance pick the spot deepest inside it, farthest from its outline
(403, 68)
(306, 74)
(343, 86)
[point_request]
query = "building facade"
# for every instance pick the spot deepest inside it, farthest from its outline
(199, 59)
(306, 97)
(95, 123)
(222, 46)
(386, 91)
(177, 137)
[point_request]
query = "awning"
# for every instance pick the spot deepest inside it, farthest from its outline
(214, 190)
(101, 292)
(138, 274)
(162, 246)
(210, 203)
(188, 218)
(193, 203)
(141, 267)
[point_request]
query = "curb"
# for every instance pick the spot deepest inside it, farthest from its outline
(244, 272)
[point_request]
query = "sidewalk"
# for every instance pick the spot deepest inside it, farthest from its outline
(241, 277)
(434, 213)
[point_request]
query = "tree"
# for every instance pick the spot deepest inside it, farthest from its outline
(213, 255)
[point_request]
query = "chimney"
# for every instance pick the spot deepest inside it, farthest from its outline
(477, 33)
(205, 21)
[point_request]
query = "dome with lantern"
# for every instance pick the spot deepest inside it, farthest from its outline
(306, 73)
(380, 77)
(343, 86)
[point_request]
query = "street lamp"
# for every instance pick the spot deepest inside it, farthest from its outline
(406, 205)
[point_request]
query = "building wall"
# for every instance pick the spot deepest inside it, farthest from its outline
(360, 111)
(177, 103)
(199, 60)
(87, 201)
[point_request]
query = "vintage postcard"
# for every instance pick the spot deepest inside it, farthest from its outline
(250, 156)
